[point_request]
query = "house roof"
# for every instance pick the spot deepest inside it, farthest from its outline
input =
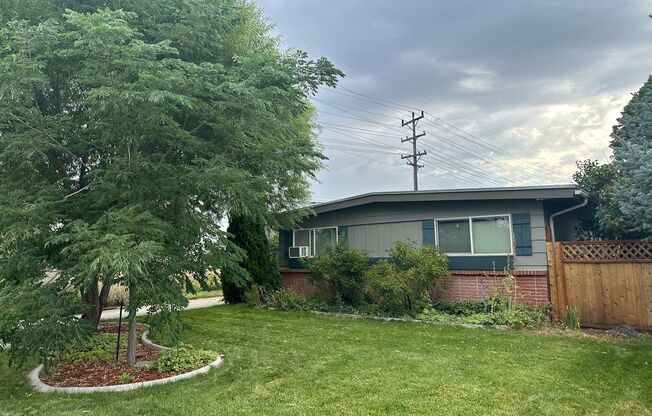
(544, 192)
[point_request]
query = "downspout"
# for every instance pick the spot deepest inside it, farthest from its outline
(564, 211)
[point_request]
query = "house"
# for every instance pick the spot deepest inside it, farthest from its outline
(483, 231)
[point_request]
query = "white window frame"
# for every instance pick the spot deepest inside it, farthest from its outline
(311, 237)
(470, 218)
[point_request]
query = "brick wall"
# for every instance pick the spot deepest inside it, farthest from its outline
(297, 280)
(531, 285)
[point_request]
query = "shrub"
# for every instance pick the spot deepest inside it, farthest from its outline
(126, 378)
(572, 320)
(340, 270)
(287, 300)
(254, 296)
(406, 276)
(260, 262)
(183, 359)
(99, 347)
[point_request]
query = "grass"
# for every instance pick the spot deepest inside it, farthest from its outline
(301, 364)
(201, 294)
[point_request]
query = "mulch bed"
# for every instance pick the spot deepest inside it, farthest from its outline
(106, 373)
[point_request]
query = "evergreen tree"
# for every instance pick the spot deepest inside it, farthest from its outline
(250, 235)
(632, 147)
(128, 130)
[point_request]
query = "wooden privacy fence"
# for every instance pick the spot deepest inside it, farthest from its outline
(609, 281)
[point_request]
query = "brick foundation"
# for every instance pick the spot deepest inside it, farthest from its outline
(298, 281)
(531, 285)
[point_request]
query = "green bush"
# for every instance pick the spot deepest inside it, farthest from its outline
(260, 261)
(183, 359)
(126, 378)
(254, 296)
(340, 270)
(402, 281)
(287, 300)
(386, 288)
(99, 347)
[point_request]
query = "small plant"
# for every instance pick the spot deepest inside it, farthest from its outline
(287, 300)
(572, 319)
(126, 378)
(182, 359)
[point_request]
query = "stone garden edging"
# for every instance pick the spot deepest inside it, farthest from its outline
(41, 387)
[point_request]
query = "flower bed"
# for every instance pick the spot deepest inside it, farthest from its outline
(91, 366)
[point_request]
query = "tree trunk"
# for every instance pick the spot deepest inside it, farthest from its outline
(95, 300)
(132, 340)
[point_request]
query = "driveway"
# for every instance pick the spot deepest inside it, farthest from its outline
(110, 314)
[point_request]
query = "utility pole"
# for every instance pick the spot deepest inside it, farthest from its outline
(413, 159)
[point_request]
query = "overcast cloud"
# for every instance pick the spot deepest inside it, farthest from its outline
(541, 83)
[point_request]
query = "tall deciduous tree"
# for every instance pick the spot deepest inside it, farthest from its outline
(127, 131)
(632, 146)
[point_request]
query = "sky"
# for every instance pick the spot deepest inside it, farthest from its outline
(513, 92)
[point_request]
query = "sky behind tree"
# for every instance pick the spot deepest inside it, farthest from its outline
(514, 92)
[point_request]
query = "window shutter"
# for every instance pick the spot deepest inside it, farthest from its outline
(342, 234)
(522, 234)
(286, 236)
(428, 231)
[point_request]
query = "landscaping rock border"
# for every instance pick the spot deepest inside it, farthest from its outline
(41, 387)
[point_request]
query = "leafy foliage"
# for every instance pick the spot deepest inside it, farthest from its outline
(262, 268)
(38, 321)
(287, 300)
(128, 130)
(521, 317)
(99, 347)
(400, 283)
(183, 359)
(609, 222)
(340, 270)
(632, 146)
(126, 378)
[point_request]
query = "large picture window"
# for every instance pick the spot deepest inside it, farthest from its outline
(317, 239)
(475, 235)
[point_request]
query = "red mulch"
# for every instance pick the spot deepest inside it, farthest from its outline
(113, 328)
(103, 373)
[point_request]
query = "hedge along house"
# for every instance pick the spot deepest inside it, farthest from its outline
(483, 232)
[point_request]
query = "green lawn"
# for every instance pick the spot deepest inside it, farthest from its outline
(302, 364)
(201, 294)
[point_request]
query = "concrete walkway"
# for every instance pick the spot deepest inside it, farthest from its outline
(192, 304)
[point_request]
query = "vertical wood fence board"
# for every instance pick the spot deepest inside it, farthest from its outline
(610, 282)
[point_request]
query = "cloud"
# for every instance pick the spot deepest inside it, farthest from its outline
(544, 82)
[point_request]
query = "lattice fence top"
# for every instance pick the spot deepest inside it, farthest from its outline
(608, 251)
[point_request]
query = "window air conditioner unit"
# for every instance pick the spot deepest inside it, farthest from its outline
(298, 252)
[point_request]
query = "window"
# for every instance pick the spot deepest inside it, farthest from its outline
(475, 235)
(454, 236)
(316, 239)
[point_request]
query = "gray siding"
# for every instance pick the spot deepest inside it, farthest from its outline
(379, 231)
(377, 239)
